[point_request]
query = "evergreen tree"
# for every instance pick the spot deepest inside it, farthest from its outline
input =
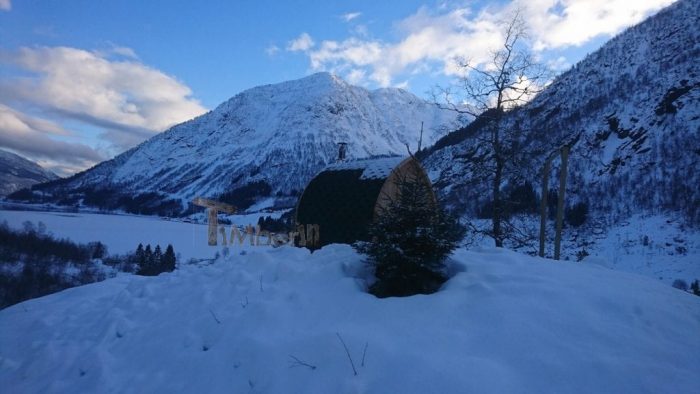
(140, 256)
(169, 259)
(155, 262)
(147, 262)
(98, 249)
(695, 287)
(157, 259)
(148, 254)
(409, 242)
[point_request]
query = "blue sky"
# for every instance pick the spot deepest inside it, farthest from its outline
(81, 81)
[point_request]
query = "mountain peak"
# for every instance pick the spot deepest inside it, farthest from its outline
(16, 173)
(324, 76)
(317, 82)
(321, 80)
(264, 144)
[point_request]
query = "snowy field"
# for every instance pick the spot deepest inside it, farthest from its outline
(267, 321)
(122, 233)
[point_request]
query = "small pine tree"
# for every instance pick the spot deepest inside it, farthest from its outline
(695, 287)
(148, 253)
(157, 259)
(169, 259)
(140, 254)
(140, 258)
(409, 242)
(147, 262)
(98, 250)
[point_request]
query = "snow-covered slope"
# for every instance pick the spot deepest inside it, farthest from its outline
(17, 173)
(636, 104)
(266, 141)
(268, 322)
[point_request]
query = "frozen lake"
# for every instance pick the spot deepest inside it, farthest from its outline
(122, 233)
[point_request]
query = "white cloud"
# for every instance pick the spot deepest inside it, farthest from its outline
(350, 16)
(35, 138)
(112, 51)
(426, 40)
(302, 43)
(431, 40)
(124, 51)
(120, 99)
(356, 76)
(562, 23)
(360, 30)
(402, 85)
(123, 95)
(558, 64)
(5, 5)
(272, 50)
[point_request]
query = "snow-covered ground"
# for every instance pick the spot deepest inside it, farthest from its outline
(656, 246)
(504, 322)
(122, 233)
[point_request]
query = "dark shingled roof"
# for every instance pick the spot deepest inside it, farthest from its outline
(341, 199)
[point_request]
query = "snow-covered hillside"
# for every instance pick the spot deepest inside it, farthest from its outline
(270, 321)
(636, 104)
(266, 141)
(17, 173)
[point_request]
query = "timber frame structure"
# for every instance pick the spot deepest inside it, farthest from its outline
(346, 197)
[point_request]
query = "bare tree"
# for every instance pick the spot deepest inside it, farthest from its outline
(487, 91)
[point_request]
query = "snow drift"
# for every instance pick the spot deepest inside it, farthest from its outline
(248, 323)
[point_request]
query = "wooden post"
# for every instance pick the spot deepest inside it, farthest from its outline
(560, 202)
(543, 201)
(213, 208)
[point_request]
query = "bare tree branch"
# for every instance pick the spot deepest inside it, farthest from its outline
(364, 352)
(297, 363)
(352, 364)
(506, 81)
(214, 316)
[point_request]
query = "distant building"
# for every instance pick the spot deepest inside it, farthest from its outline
(345, 197)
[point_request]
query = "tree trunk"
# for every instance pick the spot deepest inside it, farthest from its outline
(497, 178)
(543, 202)
(560, 202)
(497, 236)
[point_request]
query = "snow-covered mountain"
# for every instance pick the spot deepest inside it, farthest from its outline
(18, 173)
(266, 141)
(636, 104)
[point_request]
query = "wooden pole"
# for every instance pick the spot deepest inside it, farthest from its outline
(560, 202)
(543, 202)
